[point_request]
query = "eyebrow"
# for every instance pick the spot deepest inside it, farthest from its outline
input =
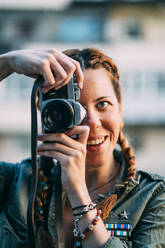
(101, 98)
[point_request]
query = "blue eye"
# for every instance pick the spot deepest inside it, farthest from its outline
(102, 104)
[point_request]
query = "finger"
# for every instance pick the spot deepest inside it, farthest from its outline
(65, 139)
(59, 73)
(65, 82)
(68, 66)
(45, 89)
(57, 147)
(61, 138)
(62, 158)
(82, 133)
(52, 154)
(46, 72)
(79, 73)
(74, 67)
(51, 137)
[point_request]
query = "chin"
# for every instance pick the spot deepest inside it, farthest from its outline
(94, 161)
(99, 158)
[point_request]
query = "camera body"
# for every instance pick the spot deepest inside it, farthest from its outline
(60, 109)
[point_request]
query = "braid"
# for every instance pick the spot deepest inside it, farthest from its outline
(106, 205)
(128, 155)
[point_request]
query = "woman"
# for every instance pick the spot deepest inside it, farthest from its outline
(97, 179)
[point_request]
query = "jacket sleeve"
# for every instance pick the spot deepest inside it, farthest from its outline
(114, 242)
(150, 230)
(7, 171)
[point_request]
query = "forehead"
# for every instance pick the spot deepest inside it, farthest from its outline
(97, 83)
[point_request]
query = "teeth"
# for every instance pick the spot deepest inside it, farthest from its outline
(96, 142)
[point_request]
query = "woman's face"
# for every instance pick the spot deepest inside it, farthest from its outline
(103, 116)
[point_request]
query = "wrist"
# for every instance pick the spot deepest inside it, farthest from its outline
(5, 66)
(79, 197)
(83, 209)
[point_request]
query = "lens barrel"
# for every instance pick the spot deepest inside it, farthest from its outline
(57, 115)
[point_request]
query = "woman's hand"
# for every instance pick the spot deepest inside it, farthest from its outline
(71, 154)
(55, 67)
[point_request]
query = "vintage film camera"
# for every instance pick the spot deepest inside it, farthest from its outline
(60, 109)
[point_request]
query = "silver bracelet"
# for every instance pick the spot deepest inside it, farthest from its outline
(76, 230)
(79, 215)
(86, 209)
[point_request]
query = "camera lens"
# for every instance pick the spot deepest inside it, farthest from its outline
(57, 115)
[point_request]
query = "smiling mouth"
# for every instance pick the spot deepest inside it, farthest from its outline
(96, 141)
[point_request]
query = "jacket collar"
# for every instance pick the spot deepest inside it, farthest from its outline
(119, 187)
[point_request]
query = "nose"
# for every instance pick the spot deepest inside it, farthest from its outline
(92, 119)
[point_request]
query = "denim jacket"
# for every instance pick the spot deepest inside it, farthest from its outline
(141, 205)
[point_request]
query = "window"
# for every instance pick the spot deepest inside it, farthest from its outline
(80, 29)
(133, 29)
(25, 27)
(161, 83)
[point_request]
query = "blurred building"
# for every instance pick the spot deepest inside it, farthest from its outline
(131, 32)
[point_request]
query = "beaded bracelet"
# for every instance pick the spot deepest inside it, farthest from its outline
(82, 236)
